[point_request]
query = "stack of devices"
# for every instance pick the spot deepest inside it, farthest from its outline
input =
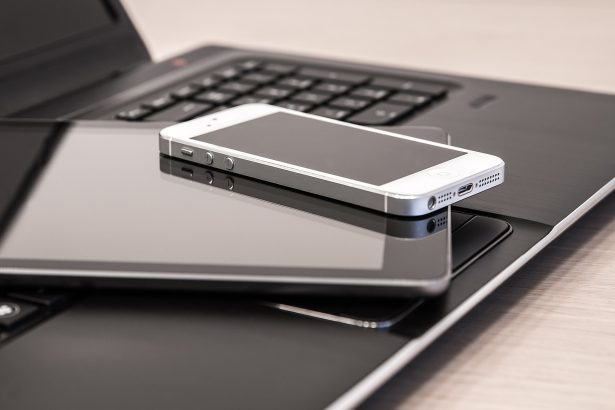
(319, 207)
(291, 228)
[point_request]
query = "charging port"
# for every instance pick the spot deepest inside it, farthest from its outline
(464, 189)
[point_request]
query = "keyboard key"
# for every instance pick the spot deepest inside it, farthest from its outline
(251, 100)
(218, 109)
(259, 78)
(181, 112)
(393, 83)
(332, 88)
(227, 73)
(279, 68)
(274, 92)
(214, 97)
(296, 82)
(160, 102)
(297, 106)
(311, 97)
(13, 313)
(333, 75)
(249, 64)
(333, 113)
(185, 92)
(206, 82)
(410, 99)
(371, 93)
(134, 114)
(237, 87)
(349, 103)
(380, 114)
(434, 90)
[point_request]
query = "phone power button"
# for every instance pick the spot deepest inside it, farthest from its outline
(229, 163)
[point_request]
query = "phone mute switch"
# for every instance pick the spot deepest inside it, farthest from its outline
(187, 152)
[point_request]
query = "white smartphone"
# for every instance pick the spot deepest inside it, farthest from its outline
(376, 169)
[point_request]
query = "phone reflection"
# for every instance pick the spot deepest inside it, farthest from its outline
(369, 313)
(390, 225)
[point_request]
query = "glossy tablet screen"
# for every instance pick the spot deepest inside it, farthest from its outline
(96, 199)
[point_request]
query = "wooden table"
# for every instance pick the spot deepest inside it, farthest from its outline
(546, 338)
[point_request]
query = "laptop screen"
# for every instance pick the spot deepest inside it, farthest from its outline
(32, 24)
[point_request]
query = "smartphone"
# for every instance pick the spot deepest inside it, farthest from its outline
(371, 168)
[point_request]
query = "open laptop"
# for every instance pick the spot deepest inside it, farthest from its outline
(84, 60)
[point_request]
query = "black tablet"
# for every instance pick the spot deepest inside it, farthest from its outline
(94, 204)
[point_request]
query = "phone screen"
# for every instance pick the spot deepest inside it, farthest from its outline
(347, 152)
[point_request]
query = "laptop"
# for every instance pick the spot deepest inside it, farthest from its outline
(83, 60)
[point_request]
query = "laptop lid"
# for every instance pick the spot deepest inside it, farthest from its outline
(58, 46)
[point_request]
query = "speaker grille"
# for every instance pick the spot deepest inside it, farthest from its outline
(446, 197)
(488, 180)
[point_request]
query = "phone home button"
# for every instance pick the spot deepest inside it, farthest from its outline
(442, 172)
(229, 163)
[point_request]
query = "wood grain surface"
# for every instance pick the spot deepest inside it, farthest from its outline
(546, 338)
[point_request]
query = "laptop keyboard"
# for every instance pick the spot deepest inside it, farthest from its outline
(354, 97)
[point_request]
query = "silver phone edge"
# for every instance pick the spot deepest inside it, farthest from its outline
(254, 167)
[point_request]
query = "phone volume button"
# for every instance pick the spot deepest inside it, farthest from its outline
(229, 163)
(209, 158)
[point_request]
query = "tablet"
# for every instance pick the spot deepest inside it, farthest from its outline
(98, 206)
